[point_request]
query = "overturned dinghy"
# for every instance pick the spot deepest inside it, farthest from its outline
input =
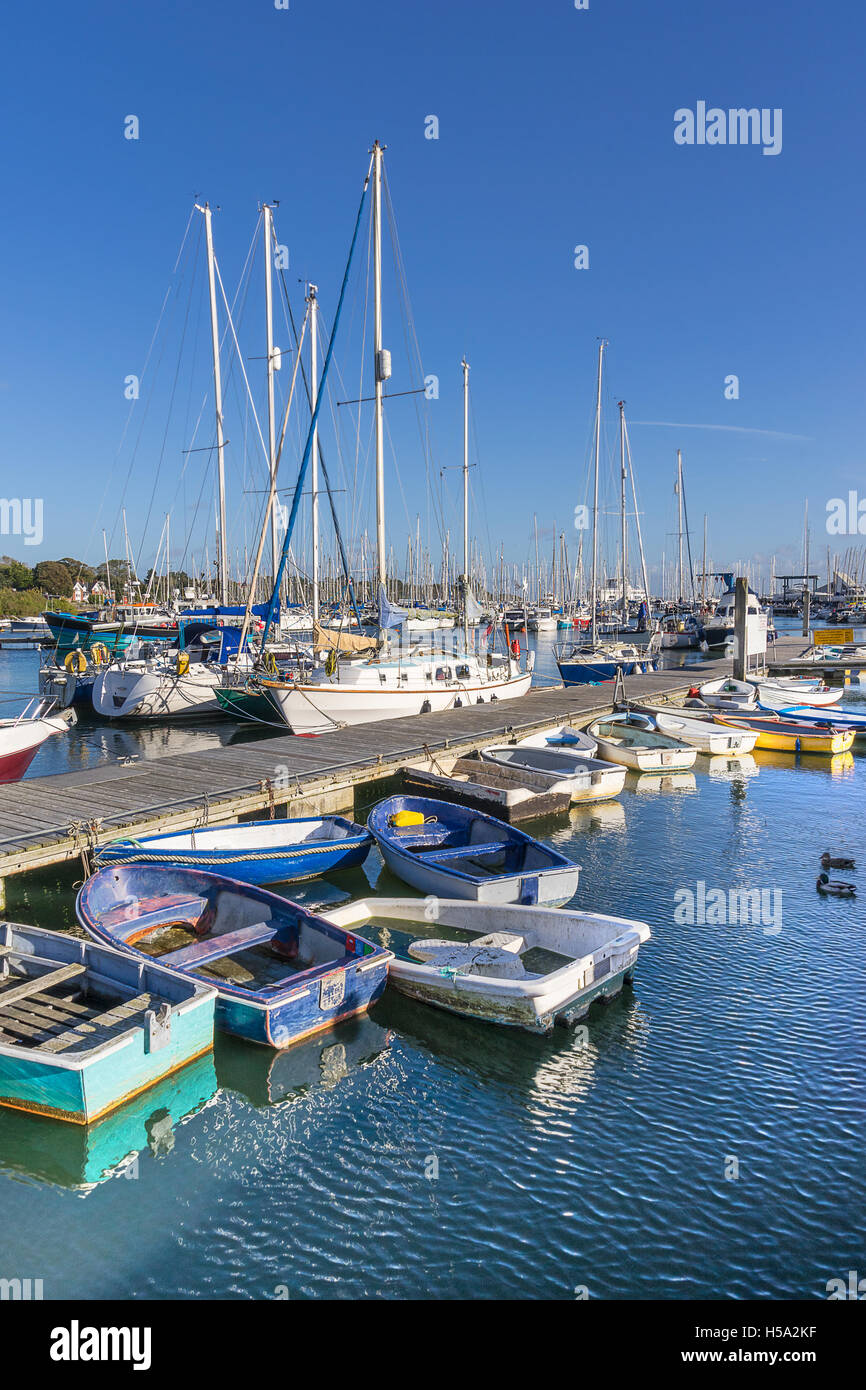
(586, 778)
(443, 848)
(527, 967)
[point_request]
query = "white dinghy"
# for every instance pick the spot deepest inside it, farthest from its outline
(702, 734)
(625, 739)
(527, 967)
(780, 694)
(575, 742)
(726, 693)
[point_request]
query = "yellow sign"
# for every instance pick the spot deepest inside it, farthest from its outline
(833, 636)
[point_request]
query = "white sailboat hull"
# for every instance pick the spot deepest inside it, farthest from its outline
(318, 707)
(123, 692)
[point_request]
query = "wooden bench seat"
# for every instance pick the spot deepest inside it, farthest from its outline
(214, 947)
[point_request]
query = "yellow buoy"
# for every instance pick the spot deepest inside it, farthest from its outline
(182, 663)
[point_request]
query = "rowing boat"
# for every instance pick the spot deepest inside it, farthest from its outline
(791, 736)
(84, 1028)
(726, 693)
(268, 851)
(527, 967)
(452, 851)
(626, 739)
(282, 972)
(585, 778)
(703, 734)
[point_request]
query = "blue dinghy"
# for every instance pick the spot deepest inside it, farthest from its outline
(282, 973)
(83, 1028)
(443, 848)
(265, 851)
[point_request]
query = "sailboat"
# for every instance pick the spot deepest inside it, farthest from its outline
(398, 681)
(587, 665)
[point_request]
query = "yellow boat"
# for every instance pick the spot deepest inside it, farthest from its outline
(790, 736)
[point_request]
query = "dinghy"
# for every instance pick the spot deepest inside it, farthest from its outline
(282, 973)
(22, 737)
(527, 967)
(506, 793)
(703, 734)
(780, 694)
(626, 739)
(585, 778)
(83, 1027)
(839, 719)
(791, 735)
(268, 851)
(449, 850)
(727, 693)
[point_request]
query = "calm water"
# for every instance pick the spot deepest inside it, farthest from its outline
(559, 1165)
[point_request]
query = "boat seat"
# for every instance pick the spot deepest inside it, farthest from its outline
(442, 856)
(502, 941)
(468, 958)
(214, 947)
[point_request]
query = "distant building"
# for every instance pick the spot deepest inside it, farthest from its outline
(80, 592)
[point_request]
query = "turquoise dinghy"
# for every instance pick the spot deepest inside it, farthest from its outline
(84, 1028)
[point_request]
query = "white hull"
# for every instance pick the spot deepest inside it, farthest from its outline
(133, 692)
(318, 707)
(583, 777)
(602, 952)
(704, 735)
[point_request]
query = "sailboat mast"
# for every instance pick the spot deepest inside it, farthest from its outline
(465, 366)
(313, 302)
(680, 529)
(595, 493)
(218, 408)
(382, 363)
(268, 222)
(622, 511)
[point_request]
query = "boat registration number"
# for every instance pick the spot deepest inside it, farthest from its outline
(332, 990)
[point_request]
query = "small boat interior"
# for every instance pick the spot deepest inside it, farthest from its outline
(269, 834)
(50, 1006)
(477, 846)
(227, 937)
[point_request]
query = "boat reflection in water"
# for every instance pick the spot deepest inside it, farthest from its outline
(81, 1157)
(723, 769)
(667, 782)
(267, 1078)
(838, 765)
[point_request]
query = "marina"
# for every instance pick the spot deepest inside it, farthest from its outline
(432, 679)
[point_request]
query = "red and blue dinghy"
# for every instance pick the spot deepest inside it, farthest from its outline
(281, 972)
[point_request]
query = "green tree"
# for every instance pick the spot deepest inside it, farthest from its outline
(53, 577)
(79, 570)
(14, 575)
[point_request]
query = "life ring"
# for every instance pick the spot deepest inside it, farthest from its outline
(182, 665)
(100, 654)
(75, 662)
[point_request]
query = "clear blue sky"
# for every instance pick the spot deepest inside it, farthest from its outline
(556, 129)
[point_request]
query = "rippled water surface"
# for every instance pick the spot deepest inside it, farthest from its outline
(414, 1154)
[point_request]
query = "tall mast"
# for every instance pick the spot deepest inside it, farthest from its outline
(595, 492)
(382, 363)
(622, 511)
(704, 567)
(314, 464)
(680, 529)
(465, 366)
(268, 223)
(218, 407)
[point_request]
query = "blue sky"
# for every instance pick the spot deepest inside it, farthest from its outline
(555, 129)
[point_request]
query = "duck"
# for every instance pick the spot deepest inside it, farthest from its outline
(828, 863)
(836, 890)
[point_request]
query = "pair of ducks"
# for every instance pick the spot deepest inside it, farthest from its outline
(836, 889)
